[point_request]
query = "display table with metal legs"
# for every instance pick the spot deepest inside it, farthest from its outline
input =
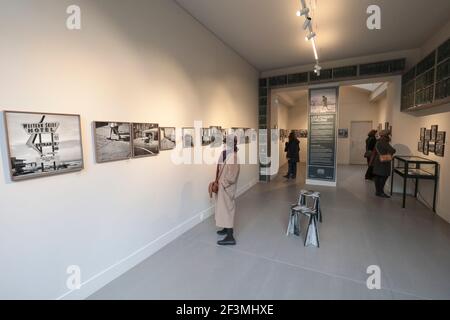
(416, 168)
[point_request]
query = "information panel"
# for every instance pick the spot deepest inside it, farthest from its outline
(322, 142)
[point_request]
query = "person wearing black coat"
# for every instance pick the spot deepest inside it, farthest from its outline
(292, 149)
(370, 146)
(382, 169)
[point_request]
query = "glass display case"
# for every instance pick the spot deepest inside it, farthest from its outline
(416, 168)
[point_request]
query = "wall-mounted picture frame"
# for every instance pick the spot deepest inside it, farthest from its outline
(422, 133)
(167, 137)
(425, 147)
(434, 131)
(386, 126)
(431, 146)
(441, 137)
(216, 136)
(343, 133)
(145, 139)
(420, 146)
(112, 140)
(427, 135)
(42, 144)
(188, 136)
(240, 134)
(205, 136)
(251, 135)
(439, 149)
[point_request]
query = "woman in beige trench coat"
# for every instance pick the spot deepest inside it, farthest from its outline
(225, 198)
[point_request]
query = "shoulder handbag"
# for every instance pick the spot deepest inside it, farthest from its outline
(384, 157)
(213, 187)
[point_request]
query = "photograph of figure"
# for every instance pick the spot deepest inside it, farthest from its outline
(145, 139)
(112, 141)
(168, 138)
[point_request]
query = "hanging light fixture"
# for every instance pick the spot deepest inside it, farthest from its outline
(311, 36)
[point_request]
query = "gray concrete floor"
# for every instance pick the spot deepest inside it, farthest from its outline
(411, 246)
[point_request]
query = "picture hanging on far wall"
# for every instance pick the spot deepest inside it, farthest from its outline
(145, 139)
(425, 147)
(380, 127)
(167, 138)
(206, 136)
(434, 131)
(343, 133)
(216, 136)
(439, 149)
(420, 146)
(251, 135)
(303, 133)
(240, 134)
(441, 137)
(112, 141)
(431, 146)
(188, 137)
(427, 135)
(422, 133)
(42, 144)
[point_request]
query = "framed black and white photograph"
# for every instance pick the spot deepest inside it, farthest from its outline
(167, 137)
(425, 147)
(302, 133)
(43, 144)
(386, 126)
(145, 139)
(188, 137)
(422, 133)
(216, 136)
(343, 133)
(439, 149)
(427, 135)
(251, 135)
(431, 146)
(434, 132)
(240, 134)
(420, 146)
(112, 141)
(206, 136)
(440, 138)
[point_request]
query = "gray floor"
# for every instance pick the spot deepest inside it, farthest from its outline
(411, 246)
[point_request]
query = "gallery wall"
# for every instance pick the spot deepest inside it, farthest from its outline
(354, 105)
(139, 61)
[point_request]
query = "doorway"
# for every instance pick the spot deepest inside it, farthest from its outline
(358, 135)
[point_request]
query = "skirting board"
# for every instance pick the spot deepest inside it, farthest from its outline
(104, 277)
(320, 183)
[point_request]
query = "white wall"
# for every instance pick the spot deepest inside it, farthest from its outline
(298, 119)
(354, 105)
(142, 61)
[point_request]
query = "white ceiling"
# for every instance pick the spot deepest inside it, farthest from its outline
(269, 35)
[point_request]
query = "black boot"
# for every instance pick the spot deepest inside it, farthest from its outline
(222, 232)
(228, 240)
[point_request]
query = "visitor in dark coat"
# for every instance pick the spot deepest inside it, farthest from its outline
(292, 149)
(370, 146)
(382, 169)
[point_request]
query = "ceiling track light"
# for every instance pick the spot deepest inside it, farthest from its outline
(310, 36)
(307, 23)
(303, 12)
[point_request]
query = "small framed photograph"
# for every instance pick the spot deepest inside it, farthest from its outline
(427, 135)
(167, 138)
(303, 133)
(431, 146)
(188, 137)
(425, 147)
(216, 136)
(441, 137)
(386, 126)
(439, 149)
(145, 139)
(434, 131)
(112, 141)
(206, 136)
(422, 133)
(343, 133)
(420, 146)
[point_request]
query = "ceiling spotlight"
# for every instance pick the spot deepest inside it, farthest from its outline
(310, 36)
(307, 23)
(304, 12)
(317, 67)
(298, 13)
